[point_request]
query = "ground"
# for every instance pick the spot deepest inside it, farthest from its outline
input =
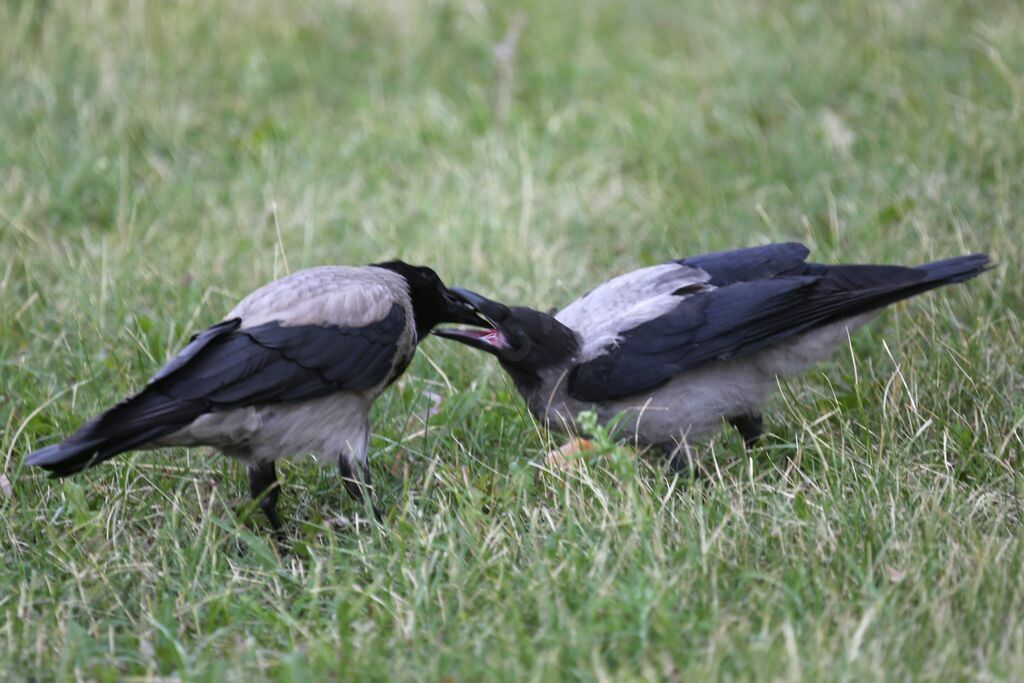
(160, 160)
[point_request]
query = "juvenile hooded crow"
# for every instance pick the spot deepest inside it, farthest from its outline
(293, 369)
(675, 348)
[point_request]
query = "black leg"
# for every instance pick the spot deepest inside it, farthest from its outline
(264, 489)
(356, 479)
(750, 427)
(680, 461)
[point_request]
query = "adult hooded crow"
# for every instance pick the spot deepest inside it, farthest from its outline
(293, 369)
(675, 348)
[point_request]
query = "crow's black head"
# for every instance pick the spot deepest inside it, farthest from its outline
(524, 340)
(432, 302)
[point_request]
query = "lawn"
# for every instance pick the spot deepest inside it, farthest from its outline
(159, 160)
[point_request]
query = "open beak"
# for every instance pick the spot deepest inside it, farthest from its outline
(491, 337)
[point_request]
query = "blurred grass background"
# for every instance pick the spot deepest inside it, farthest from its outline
(158, 160)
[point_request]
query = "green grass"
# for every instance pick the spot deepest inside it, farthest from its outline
(159, 160)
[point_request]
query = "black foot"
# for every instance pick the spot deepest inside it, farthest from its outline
(264, 489)
(357, 480)
(750, 427)
(680, 462)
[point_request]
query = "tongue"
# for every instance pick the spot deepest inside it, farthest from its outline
(493, 337)
(476, 333)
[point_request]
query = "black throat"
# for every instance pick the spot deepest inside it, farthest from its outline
(542, 343)
(528, 382)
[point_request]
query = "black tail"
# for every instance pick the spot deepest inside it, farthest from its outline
(134, 422)
(937, 274)
(849, 290)
(956, 269)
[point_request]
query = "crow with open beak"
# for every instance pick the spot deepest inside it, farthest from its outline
(293, 369)
(665, 353)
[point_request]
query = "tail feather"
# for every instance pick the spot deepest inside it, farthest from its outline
(895, 286)
(133, 423)
(68, 457)
(956, 269)
(938, 274)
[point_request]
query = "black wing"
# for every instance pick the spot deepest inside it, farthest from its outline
(226, 367)
(750, 315)
(754, 263)
(274, 363)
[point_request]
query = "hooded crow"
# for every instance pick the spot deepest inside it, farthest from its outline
(292, 370)
(664, 353)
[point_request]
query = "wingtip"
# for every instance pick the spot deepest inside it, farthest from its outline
(800, 248)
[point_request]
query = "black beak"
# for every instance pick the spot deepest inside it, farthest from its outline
(459, 310)
(494, 312)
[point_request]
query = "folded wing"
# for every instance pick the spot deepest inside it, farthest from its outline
(764, 297)
(228, 367)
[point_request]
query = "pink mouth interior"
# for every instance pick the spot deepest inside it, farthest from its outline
(493, 337)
